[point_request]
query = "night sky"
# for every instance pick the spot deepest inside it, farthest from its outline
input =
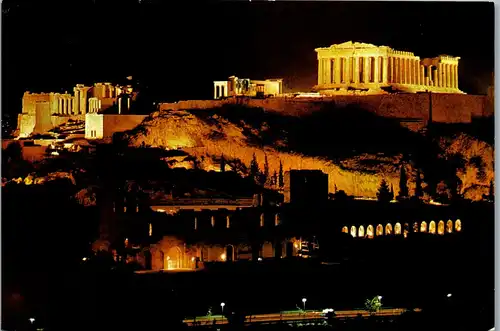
(176, 50)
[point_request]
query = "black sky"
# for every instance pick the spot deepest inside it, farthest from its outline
(177, 48)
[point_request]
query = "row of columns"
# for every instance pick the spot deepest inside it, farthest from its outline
(383, 70)
(94, 105)
(357, 69)
(65, 105)
(410, 71)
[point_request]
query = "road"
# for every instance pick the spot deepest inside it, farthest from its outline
(293, 316)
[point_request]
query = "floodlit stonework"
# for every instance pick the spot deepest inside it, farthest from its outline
(235, 86)
(43, 111)
(359, 68)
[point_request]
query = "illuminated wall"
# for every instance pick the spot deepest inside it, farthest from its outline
(103, 126)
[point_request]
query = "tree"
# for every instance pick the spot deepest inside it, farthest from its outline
(254, 168)
(222, 164)
(266, 169)
(418, 185)
(274, 180)
(403, 183)
(281, 182)
(384, 194)
(372, 306)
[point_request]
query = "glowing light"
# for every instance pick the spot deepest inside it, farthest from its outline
(32, 320)
(84, 259)
(259, 259)
(223, 257)
(327, 310)
(379, 297)
(168, 258)
(192, 259)
(296, 245)
(304, 300)
(150, 229)
(222, 304)
(449, 295)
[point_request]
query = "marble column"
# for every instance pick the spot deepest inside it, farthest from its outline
(76, 103)
(70, 105)
(348, 71)
(415, 70)
(434, 78)
(366, 73)
(119, 105)
(337, 64)
(356, 69)
(328, 63)
(60, 109)
(385, 68)
(447, 70)
(455, 68)
(422, 75)
(320, 72)
(215, 91)
(376, 69)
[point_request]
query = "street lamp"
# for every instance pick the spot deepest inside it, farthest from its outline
(448, 295)
(379, 297)
(304, 303)
(222, 304)
(32, 320)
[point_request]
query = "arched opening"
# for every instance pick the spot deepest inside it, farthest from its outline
(449, 226)
(353, 231)
(397, 228)
(369, 231)
(380, 230)
(406, 230)
(229, 253)
(361, 231)
(289, 249)
(345, 229)
(432, 227)
(415, 227)
(162, 260)
(458, 225)
(173, 258)
(441, 227)
(423, 227)
(388, 229)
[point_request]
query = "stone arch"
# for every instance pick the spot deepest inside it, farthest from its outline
(369, 231)
(440, 227)
(397, 228)
(458, 225)
(406, 229)
(162, 259)
(361, 231)
(345, 229)
(432, 227)
(230, 253)
(388, 229)
(449, 226)
(353, 231)
(173, 258)
(423, 226)
(380, 230)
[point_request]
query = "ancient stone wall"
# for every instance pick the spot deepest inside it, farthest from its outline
(446, 108)
(102, 126)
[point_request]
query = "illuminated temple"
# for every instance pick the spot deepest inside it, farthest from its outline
(359, 68)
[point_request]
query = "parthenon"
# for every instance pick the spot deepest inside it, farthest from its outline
(359, 68)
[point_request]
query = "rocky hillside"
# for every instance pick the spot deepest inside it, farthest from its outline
(356, 148)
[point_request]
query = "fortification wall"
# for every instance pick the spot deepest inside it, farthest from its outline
(105, 125)
(446, 108)
(26, 122)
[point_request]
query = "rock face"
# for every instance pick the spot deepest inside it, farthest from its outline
(208, 135)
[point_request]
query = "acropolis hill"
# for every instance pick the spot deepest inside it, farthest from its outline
(361, 87)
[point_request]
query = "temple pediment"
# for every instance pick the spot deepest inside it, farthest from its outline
(350, 44)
